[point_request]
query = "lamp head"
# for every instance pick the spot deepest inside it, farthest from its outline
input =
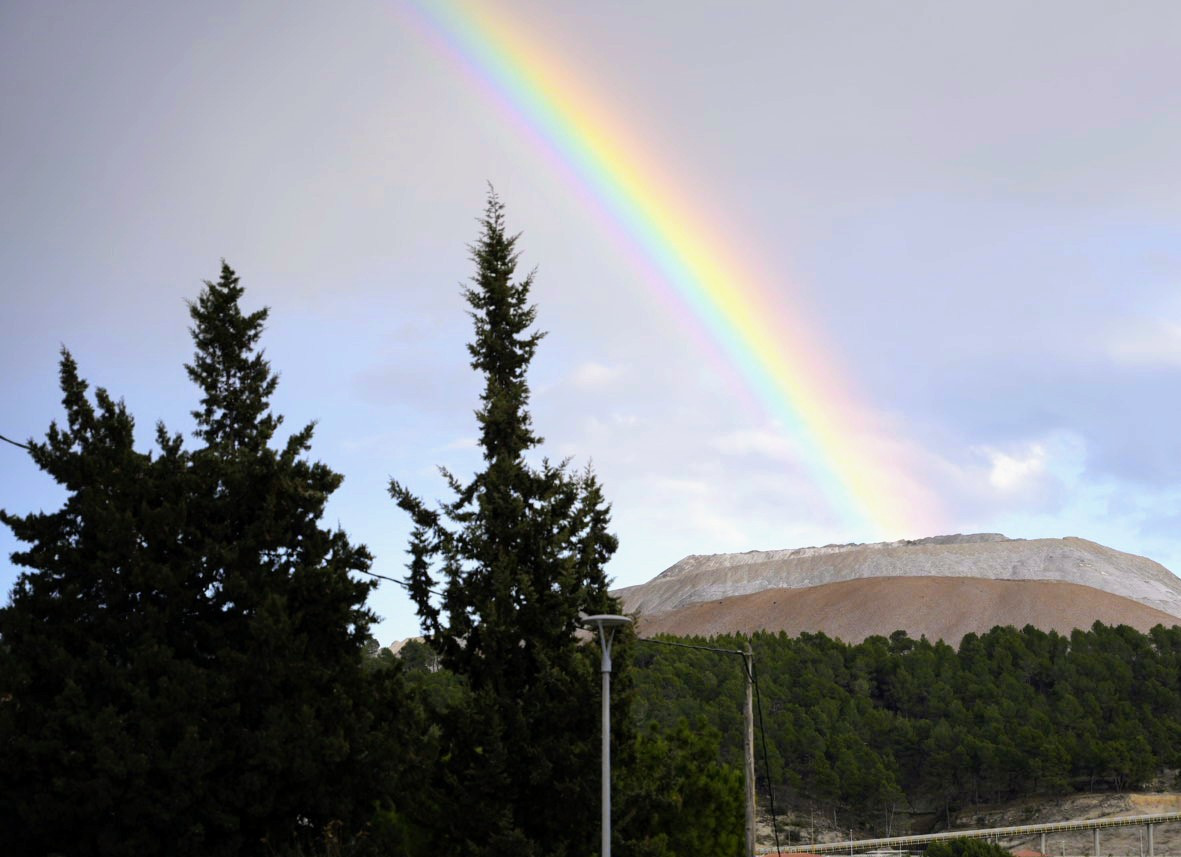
(604, 621)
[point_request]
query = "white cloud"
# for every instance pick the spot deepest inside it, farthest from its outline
(1034, 476)
(1155, 342)
(768, 444)
(595, 376)
(700, 510)
(1012, 474)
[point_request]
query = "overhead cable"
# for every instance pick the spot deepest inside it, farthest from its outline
(13, 442)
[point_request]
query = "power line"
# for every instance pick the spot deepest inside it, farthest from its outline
(689, 646)
(13, 442)
(766, 760)
(401, 583)
(750, 673)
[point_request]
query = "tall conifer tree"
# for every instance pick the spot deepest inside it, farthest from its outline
(183, 658)
(514, 556)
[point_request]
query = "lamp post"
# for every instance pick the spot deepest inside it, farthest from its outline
(606, 623)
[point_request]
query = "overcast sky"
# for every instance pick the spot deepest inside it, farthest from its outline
(974, 207)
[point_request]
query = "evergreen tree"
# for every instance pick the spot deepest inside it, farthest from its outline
(961, 847)
(681, 798)
(183, 660)
(868, 726)
(517, 553)
(102, 692)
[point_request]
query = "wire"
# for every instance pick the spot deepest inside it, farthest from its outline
(383, 577)
(688, 646)
(766, 760)
(748, 667)
(401, 583)
(13, 442)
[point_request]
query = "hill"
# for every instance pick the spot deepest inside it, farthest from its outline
(918, 729)
(943, 587)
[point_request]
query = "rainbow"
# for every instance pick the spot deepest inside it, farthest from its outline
(776, 354)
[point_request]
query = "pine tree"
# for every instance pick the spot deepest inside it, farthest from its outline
(681, 798)
(294, 623)
(517, 553)
(183, 659)
(101, 690)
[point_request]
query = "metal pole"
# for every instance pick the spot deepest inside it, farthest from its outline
(1096, 832)
(1043, 848)
(606, 623)
(605, 639)
(1150, 851)
(749, 741)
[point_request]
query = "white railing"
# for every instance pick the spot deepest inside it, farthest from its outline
(1014, 831)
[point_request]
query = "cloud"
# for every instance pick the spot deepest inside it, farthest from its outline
(1012, 474)
(1156, 342)
(595, 376)
(757, 442)
(1037, 475)
(698, 510)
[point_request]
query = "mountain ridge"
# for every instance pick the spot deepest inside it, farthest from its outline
(697, 595)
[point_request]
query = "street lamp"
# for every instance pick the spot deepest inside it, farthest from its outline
(606, 623)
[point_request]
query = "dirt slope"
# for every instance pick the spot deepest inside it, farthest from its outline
(943, 608)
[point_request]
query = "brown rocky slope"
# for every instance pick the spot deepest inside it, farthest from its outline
(943, 587)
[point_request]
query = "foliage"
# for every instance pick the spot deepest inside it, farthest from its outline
(893, 722)
(679, 798)
(517, 553)
(963, 847)
(182, 662)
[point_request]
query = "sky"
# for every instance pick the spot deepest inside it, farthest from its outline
(811, 273)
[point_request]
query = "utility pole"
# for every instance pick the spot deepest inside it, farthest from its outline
(749, 745)
(748, 663)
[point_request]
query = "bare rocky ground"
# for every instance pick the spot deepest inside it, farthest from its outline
(940, 608)
(942, 587)
(1119, 842)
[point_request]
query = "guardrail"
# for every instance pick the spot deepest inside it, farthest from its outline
(1020, 830)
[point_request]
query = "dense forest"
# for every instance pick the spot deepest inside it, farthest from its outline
(897, 724)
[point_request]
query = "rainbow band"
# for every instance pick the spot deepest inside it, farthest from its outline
(787, 372)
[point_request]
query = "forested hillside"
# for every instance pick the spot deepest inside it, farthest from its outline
(893, 724)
